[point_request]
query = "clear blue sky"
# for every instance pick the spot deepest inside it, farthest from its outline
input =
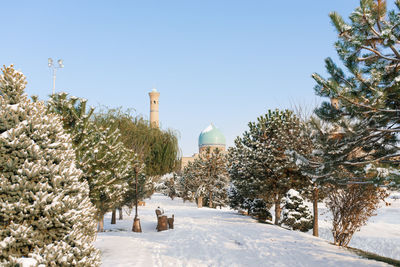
(224, 61)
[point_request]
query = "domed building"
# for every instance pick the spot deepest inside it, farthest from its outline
(210, 137)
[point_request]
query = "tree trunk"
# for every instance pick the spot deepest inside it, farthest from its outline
(200, 202)
(114, 216)
(210, 204)
(101, 223)
(278, 210)
(120, 214)
(315, 210)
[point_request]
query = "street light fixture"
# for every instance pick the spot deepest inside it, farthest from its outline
(54, 68)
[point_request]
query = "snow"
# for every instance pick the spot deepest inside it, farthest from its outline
(208, 129)
(5, 134)
(293, 193)
(213, 237)
(28, 262)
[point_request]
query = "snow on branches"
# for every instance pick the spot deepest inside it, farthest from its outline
(45, 210)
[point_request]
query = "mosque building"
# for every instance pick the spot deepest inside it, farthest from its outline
(210, 137)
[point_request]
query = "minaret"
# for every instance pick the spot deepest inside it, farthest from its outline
(154, 120)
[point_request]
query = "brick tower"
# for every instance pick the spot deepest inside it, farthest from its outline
(154, 119)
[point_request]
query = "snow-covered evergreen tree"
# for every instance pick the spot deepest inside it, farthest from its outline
(258, 165)
(169, 185)
(295, 214)
(144, 186)
(220, 190)
(188, 182)
(234, 197)
(106, 165)
(260, 209)
(206, 179)
(45, 210)
(364, 97)
(215, 176)
(105, 162)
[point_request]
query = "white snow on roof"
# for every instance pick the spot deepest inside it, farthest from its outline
(208, 129)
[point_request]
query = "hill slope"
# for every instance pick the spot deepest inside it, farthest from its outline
(213, 237)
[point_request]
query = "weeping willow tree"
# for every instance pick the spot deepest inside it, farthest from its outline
(158, 149)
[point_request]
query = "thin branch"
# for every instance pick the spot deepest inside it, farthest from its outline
(379, 54)
(395, 51)
(368, 107)
(387, 130)
(366, 58)
(370, 161)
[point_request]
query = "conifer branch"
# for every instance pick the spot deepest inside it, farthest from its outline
(370, 161)
(379, 54)
(368, 107)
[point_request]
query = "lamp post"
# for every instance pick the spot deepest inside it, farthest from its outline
(136, 221)
(54, 68)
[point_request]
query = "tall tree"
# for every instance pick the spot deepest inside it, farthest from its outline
(100, 154)
(215, 175)
(365, 99)
(45, 210)
(258, 163)
(106, 165)
(321, 138)
(158, 149)
(359, 148)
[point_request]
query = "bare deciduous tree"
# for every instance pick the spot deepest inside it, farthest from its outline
(351, 207)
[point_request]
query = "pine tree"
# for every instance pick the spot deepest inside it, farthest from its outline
(215, 177)
(258, 165)
(169, 185)
(260, 209)
(45, 210)
(321, 138)
(364, 100)
(144, 186)
(241, 194)
(106, 166)
(206, 179)
(295, 214)
(189, 183)
(220, 190)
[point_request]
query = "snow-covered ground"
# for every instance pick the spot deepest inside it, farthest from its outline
(381, 235)
(213, 237)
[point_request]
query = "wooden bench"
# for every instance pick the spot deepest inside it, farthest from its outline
(163, 222)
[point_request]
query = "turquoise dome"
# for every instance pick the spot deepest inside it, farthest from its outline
(211, 136)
